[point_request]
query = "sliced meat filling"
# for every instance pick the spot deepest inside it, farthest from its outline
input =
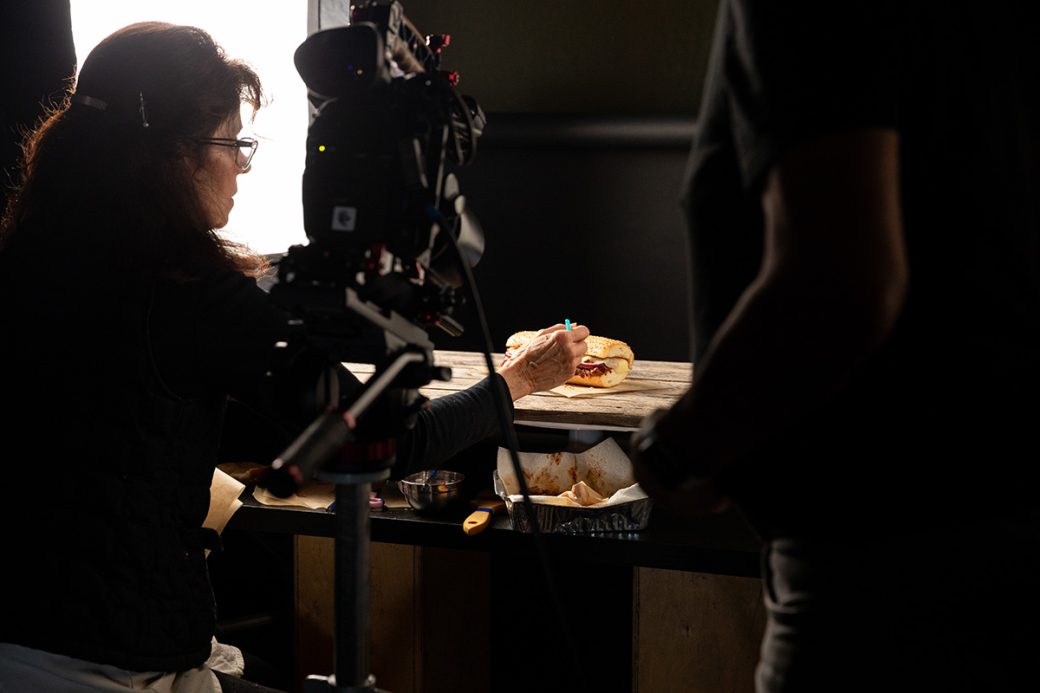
(587, 370)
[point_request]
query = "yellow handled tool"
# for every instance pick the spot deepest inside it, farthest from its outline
(481, 516)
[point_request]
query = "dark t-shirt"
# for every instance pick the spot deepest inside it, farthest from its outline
(956, 382)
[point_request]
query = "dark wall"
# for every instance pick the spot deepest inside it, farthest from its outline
(591, 108)
(37, 57)
(581, 221)
(597, 57)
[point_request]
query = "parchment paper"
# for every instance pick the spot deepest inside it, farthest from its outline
(605, 467)
(316, 495)
(223, 500)
(626, 385)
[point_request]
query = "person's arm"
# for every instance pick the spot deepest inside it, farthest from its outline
(831, 286)
(449, 425)
(457, 421)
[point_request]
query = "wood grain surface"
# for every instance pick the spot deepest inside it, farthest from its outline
(606, 410)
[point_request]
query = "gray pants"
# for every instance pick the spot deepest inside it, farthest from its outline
(947, 610)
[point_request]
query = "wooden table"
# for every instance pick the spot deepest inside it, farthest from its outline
(661, 597)
(621, 411)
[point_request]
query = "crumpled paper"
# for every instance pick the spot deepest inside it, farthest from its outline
(604, 467)
(223, 500)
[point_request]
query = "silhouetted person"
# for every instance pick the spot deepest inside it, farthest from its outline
(863, 198)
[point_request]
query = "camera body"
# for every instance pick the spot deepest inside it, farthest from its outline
(380, 197)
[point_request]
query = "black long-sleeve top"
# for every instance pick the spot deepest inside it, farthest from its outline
(115, 390)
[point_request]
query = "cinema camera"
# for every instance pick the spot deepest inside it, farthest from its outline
(379, 197)
(387, 225)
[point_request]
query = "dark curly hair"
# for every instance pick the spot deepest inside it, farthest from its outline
(112, 166)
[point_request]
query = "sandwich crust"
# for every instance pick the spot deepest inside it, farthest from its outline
(607, 348)
(518, 339)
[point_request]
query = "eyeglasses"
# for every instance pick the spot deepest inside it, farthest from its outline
(246, 147)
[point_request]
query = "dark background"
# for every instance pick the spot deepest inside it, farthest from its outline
(591, 108)
(585, 229)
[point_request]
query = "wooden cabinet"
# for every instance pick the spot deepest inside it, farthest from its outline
(430, 616)
(672, 608)
(435, 618)
(695, 632)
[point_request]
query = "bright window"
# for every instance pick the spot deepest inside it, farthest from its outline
(268, 212)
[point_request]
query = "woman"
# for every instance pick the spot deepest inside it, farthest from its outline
(127, 325)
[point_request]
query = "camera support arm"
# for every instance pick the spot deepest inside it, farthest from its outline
(320, 444)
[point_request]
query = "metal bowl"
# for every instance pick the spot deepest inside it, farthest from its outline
(431, 489)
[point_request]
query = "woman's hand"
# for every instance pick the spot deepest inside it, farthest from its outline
(546, 361)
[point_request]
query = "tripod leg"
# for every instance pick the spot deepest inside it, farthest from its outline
(353, 559)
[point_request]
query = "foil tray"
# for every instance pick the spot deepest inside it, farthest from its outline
(560, 519)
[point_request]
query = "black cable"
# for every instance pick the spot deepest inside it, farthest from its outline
(506, 425)
(471, 131)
